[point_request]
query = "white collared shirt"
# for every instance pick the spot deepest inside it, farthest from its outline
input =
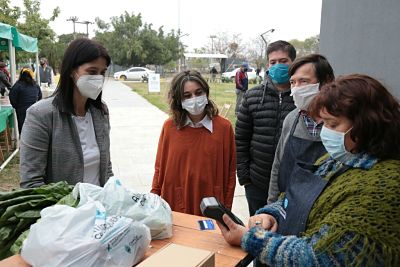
(206, 122)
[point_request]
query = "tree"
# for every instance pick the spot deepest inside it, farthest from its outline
(9, 15)
(255, 52)
(308, 46)
(32, 24)
(130, 42)
(228, 44)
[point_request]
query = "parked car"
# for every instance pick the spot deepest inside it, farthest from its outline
(230, 75)
(133, 74)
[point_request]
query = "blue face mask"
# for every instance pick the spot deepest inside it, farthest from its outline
(334, 143)
(279, 73)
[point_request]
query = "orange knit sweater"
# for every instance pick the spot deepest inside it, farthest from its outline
(193, 163)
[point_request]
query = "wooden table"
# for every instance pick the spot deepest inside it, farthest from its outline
(185, 232)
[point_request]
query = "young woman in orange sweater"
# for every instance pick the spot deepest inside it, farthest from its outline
(196, 154)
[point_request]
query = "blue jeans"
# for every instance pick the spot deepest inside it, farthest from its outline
(256, 198)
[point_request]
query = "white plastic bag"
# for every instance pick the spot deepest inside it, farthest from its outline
(149, 208)
(84, 236)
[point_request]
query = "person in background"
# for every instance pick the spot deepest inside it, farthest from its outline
(242, 84)
(66, 137)
(214, 73)
(300, 140)
(24, 93)
(196, 150)
(5, 80)
(259, 124)
(346, 211)
(258, 76)
(45, 72)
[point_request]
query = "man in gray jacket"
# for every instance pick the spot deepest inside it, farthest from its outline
(300, 141)
(46, 72)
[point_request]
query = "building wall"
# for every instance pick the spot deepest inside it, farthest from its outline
(363, 36)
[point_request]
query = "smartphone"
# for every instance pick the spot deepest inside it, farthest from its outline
(212, 208)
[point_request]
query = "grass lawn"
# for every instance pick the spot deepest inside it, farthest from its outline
(9, 177)
(220, 93)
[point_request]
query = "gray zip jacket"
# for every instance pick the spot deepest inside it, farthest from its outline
(51, 149)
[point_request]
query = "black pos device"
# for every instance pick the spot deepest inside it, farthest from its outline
(212, 208)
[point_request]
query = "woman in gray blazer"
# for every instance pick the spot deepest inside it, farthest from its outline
(66, 137)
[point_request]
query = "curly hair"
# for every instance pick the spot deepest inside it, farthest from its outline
(175, 96)
(374, 112)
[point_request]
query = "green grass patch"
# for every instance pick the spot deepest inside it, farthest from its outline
(220, 93)
(9, 177)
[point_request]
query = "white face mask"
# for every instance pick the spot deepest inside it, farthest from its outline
(303, 95)
(195, 105)
(90, 86)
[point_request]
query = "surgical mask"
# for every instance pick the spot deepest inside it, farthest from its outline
(303, 95)
(195, 105)
(279, 73)
(334, 143)
(90, 86)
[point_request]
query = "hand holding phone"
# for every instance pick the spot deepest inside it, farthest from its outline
(212, 208)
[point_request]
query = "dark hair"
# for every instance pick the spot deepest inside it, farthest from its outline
(282, 46)
(323, 70)
(374, 112)
(79, 52)
(25, 76)
(175, 96)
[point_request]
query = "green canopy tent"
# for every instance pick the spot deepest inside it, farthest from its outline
(11, 40)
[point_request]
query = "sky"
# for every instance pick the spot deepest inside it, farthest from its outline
(199, 19)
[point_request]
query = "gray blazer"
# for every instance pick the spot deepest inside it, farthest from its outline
(51, 149)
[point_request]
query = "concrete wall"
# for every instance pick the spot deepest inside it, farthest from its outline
(363, 36)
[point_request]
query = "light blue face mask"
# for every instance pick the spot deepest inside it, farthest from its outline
(279, 73)
(334, 143)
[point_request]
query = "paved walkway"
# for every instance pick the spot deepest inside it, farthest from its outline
(135, 127)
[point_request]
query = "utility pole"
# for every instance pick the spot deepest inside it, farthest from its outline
(87, 26)
(74, 20)
(212, 45)
(179, 48)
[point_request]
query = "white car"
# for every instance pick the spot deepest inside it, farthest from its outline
(133, 74)
(230, 75)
